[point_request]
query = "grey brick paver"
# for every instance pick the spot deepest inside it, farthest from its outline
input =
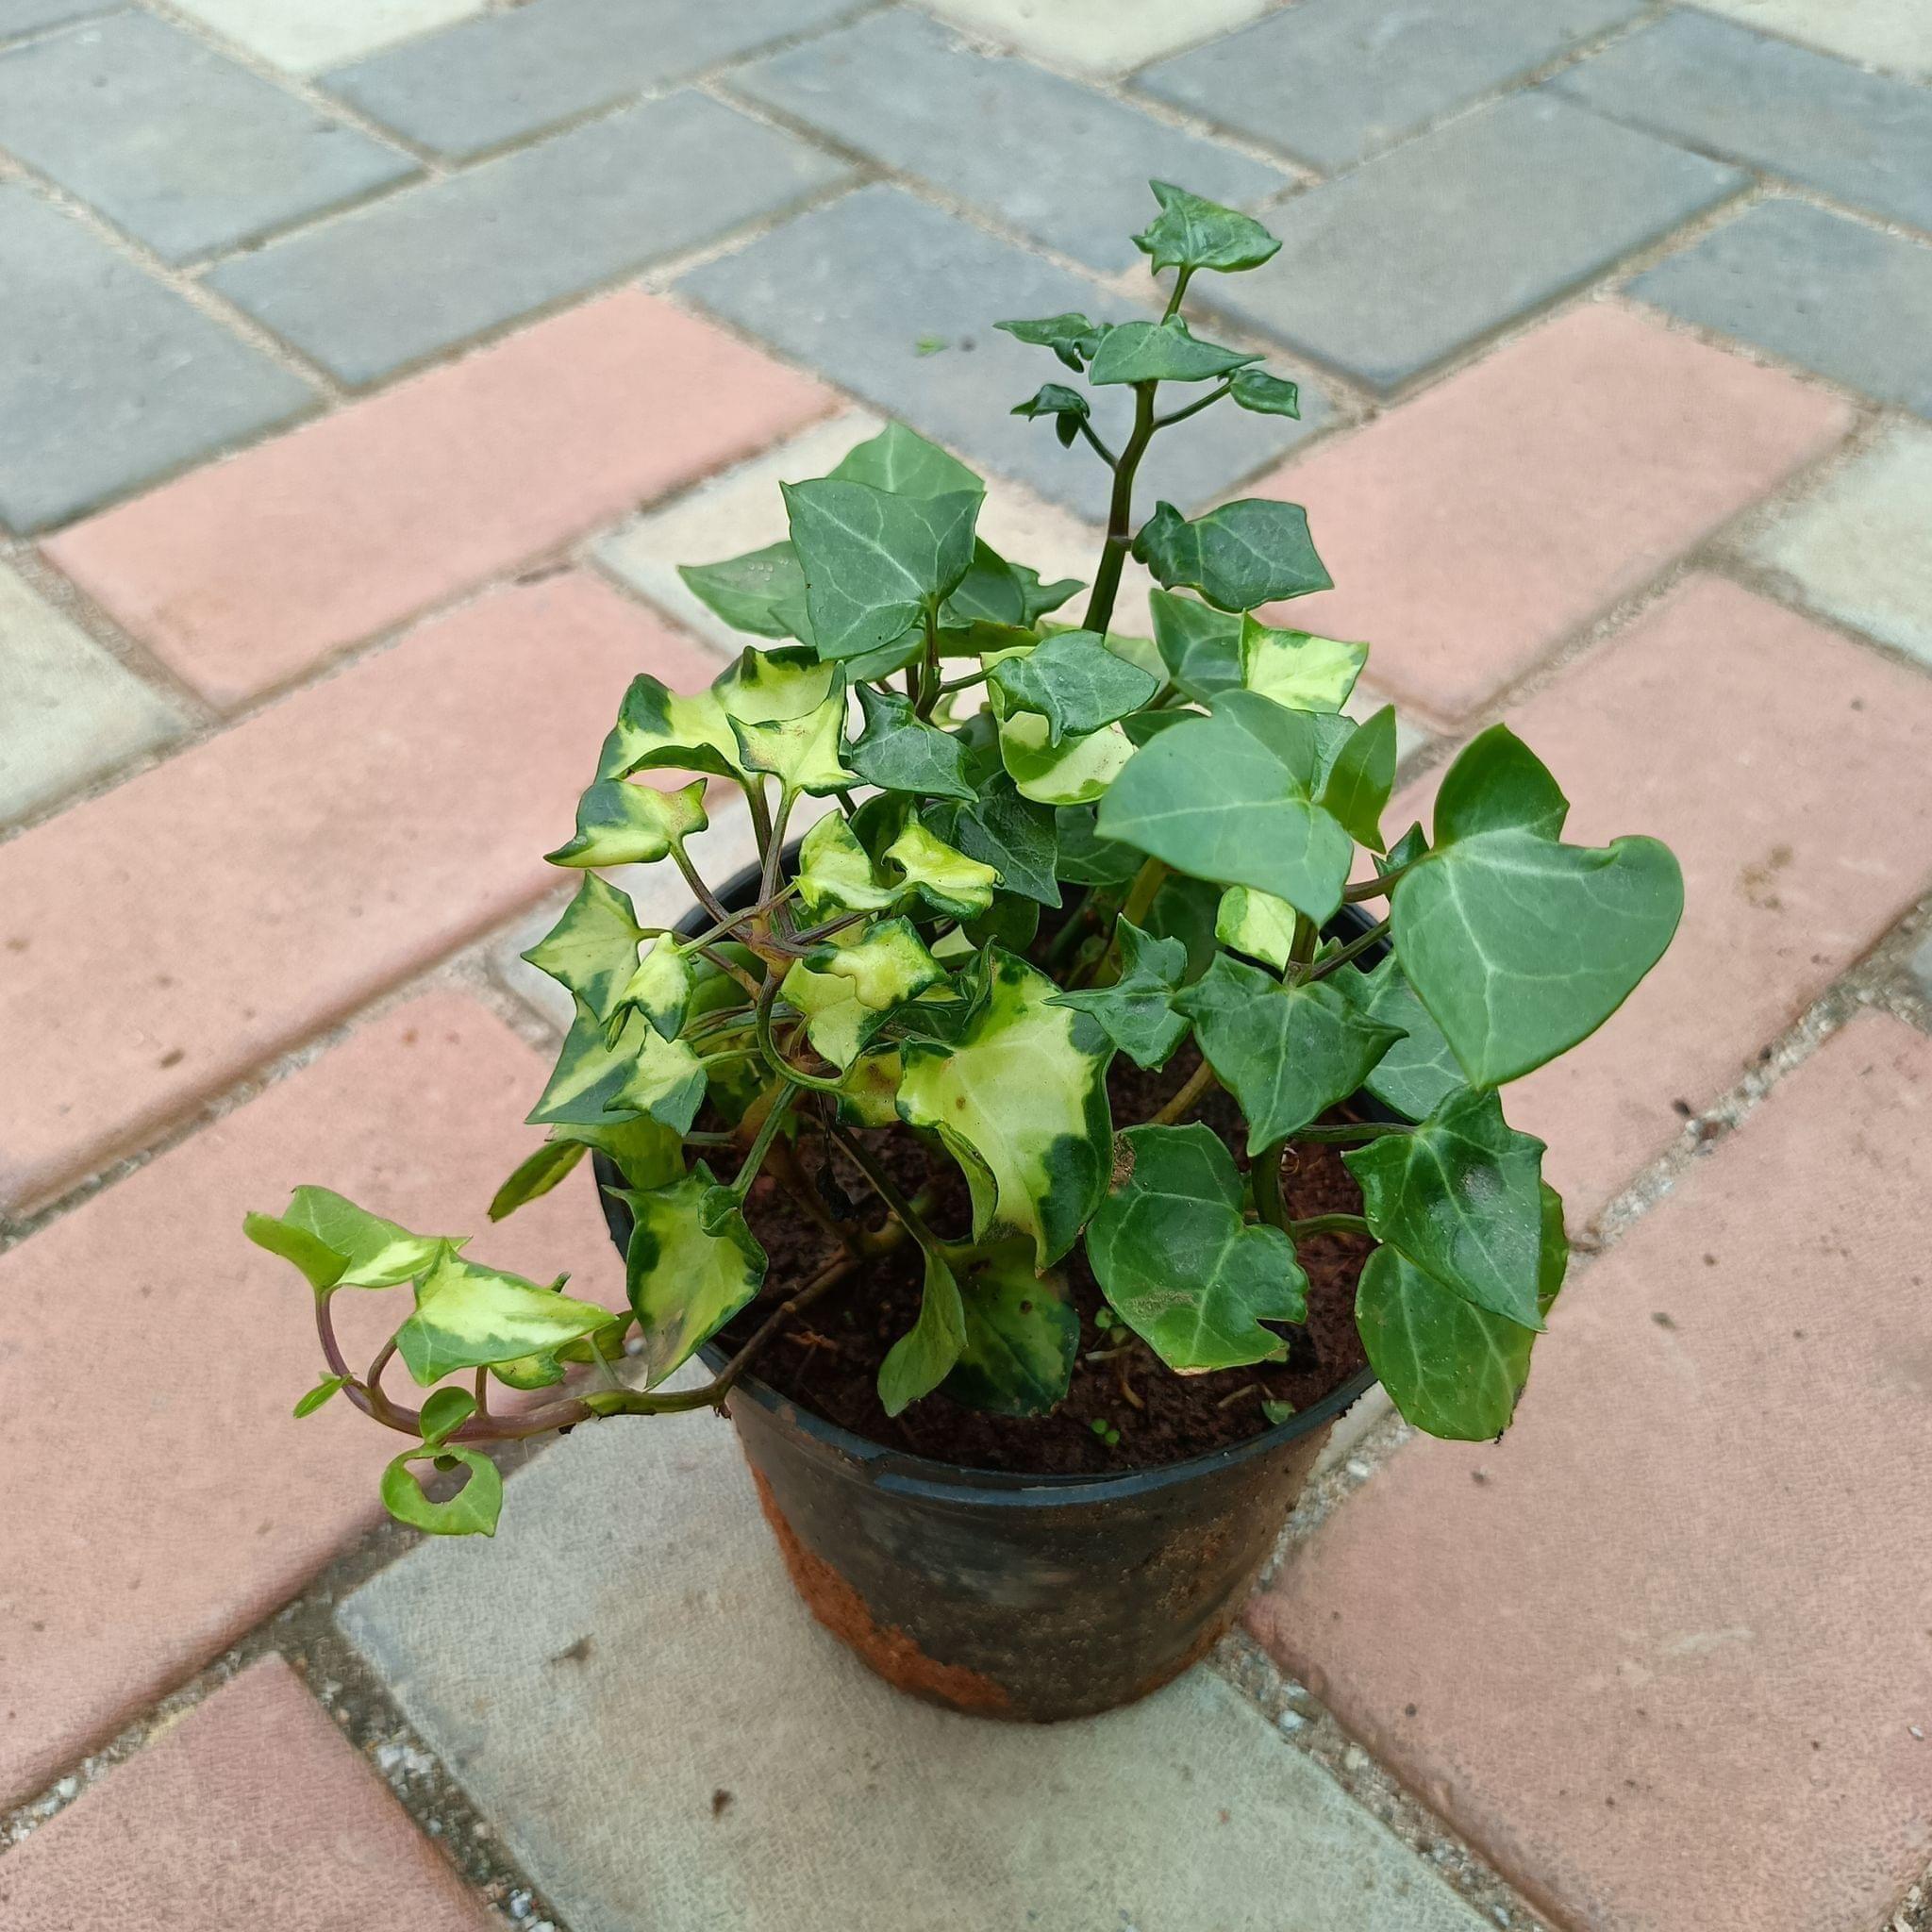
(1862, 138)
(32, 16)
(1332, 81)
(1387, 271)
(491, 80)
(187, 151)
(1818, 289)
(378, 288)
(68, 712)
(629, 1646)
(855, 288)
(107, 379)
(1061, 163)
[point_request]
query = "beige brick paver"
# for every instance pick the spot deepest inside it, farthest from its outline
(1662, 1651)
(161, 941)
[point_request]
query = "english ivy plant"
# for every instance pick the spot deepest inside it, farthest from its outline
(1052, 844)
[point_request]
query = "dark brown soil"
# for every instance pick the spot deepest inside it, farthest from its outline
(827, 1361)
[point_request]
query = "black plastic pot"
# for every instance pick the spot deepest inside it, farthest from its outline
(1008, 1595)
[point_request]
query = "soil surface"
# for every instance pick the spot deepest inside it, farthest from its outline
(828, 1359)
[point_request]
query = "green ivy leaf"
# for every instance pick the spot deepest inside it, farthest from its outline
(1459, 1197)
(901, 751)
(924, 1357)
(1177, 1262)
(1256, 924)
(998, 592)
(1074, 682)
(1265, 395)
(692, 1264)
(874, 560)
(1161, 352)
(338, 1244)
(1518, 945)
(1199, 644)
(1013, 835)
(1419, 1072)
(1085, 858)
(803, 754)
(1453, 1370)
(1019, 1101)
(1136, 1009)
(662, 987)
(1022, 1333)
(535, 1176)
(902, 461)
(472, 1512)
(1066, 407)
(601, 1082)
(1296, 669)
(622, 824)
(444, 1413)
(762, 593)
(314, 1399)
(1229, 798)
(1192, 233)
(1287, 1053)
(1070, 335)
(950, 883)
(592, 950)
(658, 727)
(468, 1316)
(1249, 552)
(1355, 791)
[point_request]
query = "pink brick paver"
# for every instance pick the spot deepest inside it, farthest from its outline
(159, 1498)
(1470, 528)
(254, 1812)
(1663, 1661)
(165, 939)
(1791, 770)
(243, 575)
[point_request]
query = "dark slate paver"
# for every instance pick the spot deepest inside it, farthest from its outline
(493, 79)
(1061, 163)
(107, 379)
(33, 16)
(856, 289)
(1333, 81)
(1862, 138)
(375, 289)
(1819, 289)
(1384, 272)
(188, 151)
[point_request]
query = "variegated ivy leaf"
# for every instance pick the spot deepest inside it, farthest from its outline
(1019, 1101)
(338, 1244)
(1458, 1196)
(601, 1082)
(1179, 1264)
(1074, 682)
(535, 1176)
(801, 752)
(902, 461)
(769, 687)
(1287, 1053)
(468, 1317)
(1021, 1334)
(835, 871)
(874, 562)
(658, 727)
(923, 1357)
(1418, 1073)
(1192, 232)
(1076, 771)
(847, 989)
(1230, 798)
(692, 1264)
(661, 988)
(1298, 669)
(473, 1511)
(762, 593)
(869, 1095)
(1453, 1369)
(1256, 924)
(945, 878)
(592, 950)
(1136, 1009)
(622, 824)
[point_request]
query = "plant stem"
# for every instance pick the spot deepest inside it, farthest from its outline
(1181, 278)
(701, 891)
(1264, 1173)
(1105, 455)
(1350, 1131)
(887, 1190)
(1299, 1231)
(1120, 514)
(1193, 409)
(781, 1065)
(725, 964)
(768, 1132)
(929, 665)
(1374, 936)
(1184, 1102)
(1376, 887)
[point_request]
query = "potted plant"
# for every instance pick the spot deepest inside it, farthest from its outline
(1048, 1146)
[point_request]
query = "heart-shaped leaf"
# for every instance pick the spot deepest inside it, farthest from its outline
(468, 1316)
(690, 1265)
(902, 461)
(1161, 352)
(1199, 644)
(1192, 232)
(1136, 1009)
(1022, 1335)
(1250, 551)
(473, 1511)
(338, 1244)
(623, 824)
(1074, 682)
(1298, 669)
(901, 751)
(758, 592)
